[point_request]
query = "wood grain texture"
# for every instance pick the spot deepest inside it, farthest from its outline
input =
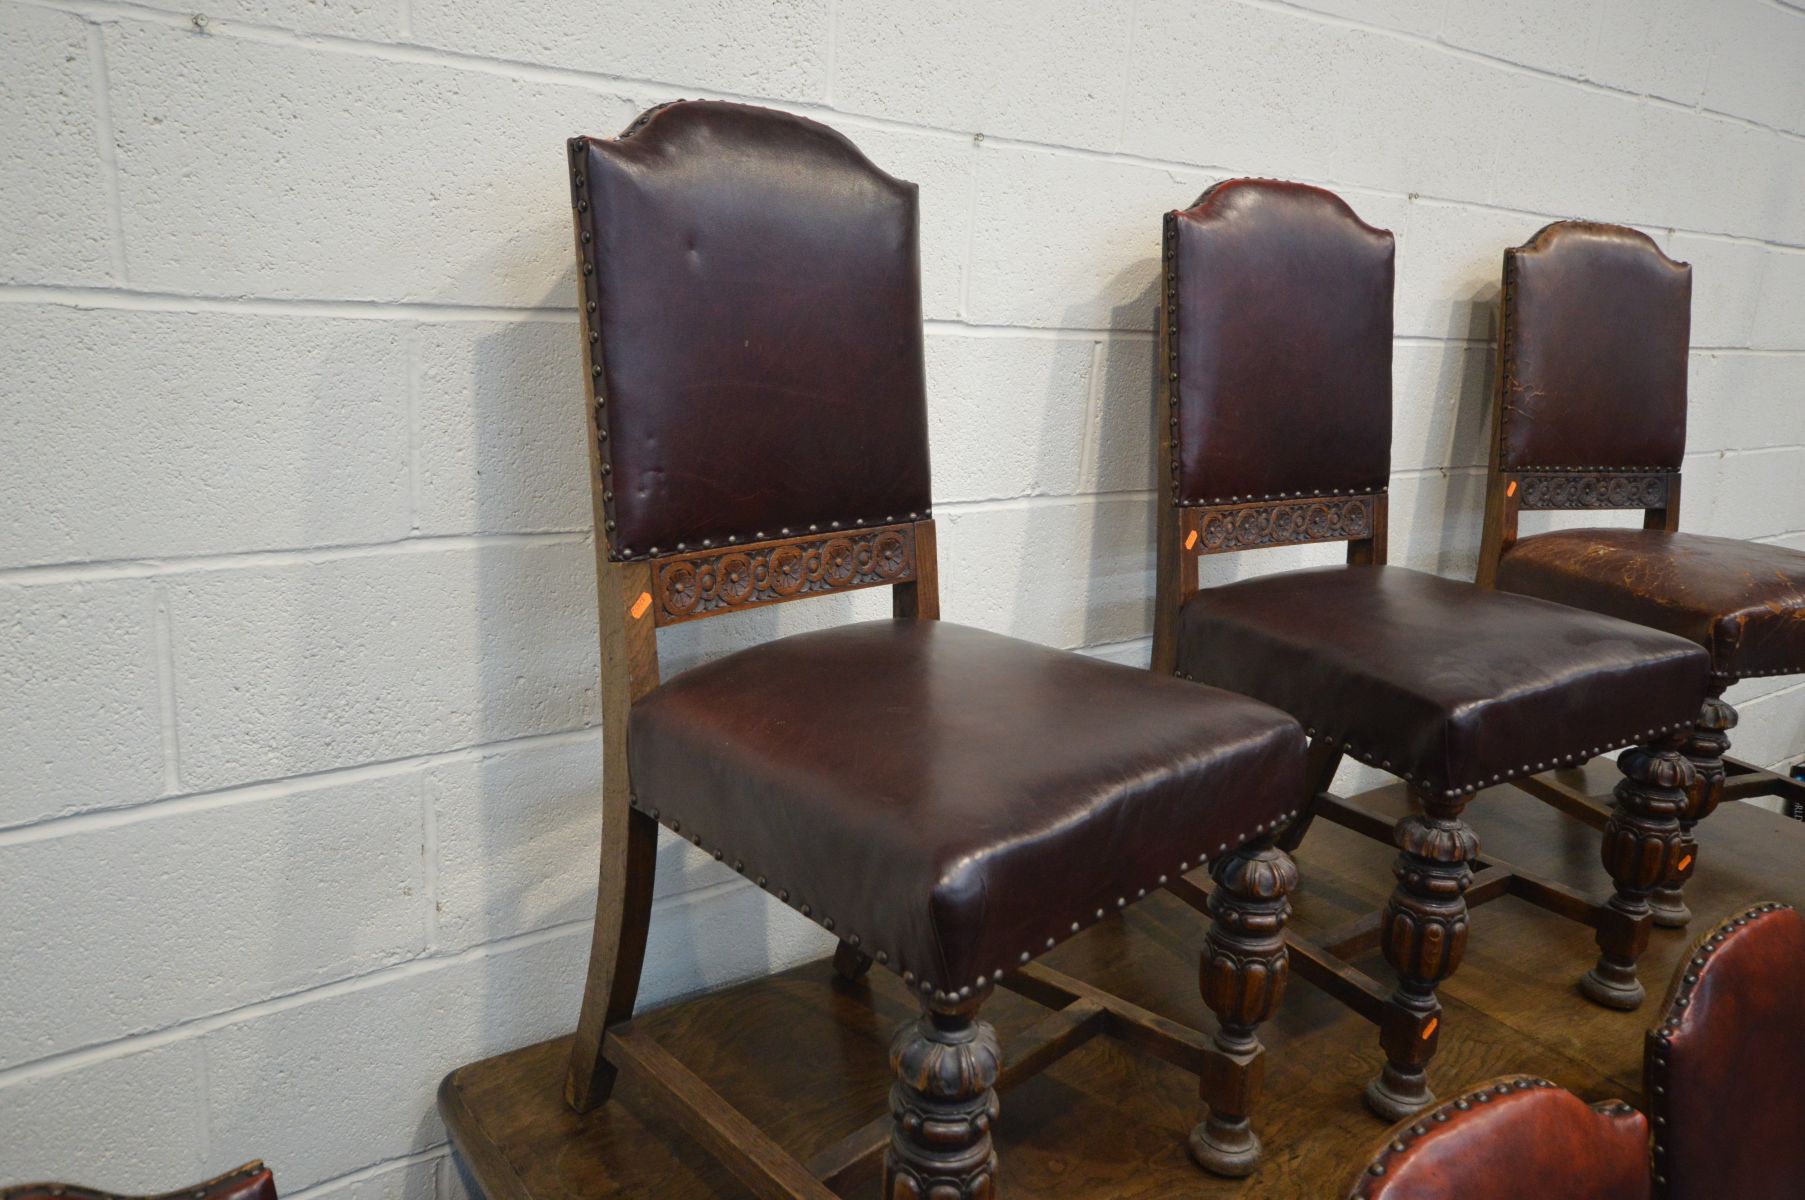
(803, 1054)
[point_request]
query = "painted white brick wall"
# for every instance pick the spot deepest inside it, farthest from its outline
(298, 759)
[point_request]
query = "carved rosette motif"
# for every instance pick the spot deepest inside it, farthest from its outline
(1595, 489)
(701, 584)
(943, 1104)
(1285, 522)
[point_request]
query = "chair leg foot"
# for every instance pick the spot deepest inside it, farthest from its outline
(1394, 1094)
(943, 1104)
(1225, 1148)
(1242, 973)
(1668, 904)
(1642, 850)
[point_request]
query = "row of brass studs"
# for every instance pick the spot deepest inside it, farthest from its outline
(1442, 1115)
(921, 984)
(1663, 1036)
(1429, 785)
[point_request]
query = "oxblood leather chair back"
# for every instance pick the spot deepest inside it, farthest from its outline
(1513, 1138)
(1724, 1067)
(1594, 330)
(1596, 322)
(1286, 390)
(749, 275)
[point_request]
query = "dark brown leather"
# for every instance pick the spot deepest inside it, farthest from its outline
(956, 799)
(1725, 1064)
(757, 293)
(1516, 1138)
(1597, 323)
(1282, 306)
(1446, 684)
(1742, 601)
(253, 1181)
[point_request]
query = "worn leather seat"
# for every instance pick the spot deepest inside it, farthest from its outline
(1742, 601)
(1442, 683)
(953, 801)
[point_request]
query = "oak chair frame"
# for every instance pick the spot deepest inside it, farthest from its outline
(1656, 492)
(947, 1139)
(1423, 929)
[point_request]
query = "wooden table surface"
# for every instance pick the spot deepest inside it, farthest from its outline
(804, 1055)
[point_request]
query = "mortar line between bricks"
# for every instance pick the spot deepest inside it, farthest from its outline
(256, 790)
(166, 698)
(1439, 43)
(415, 484)
(438, 1152)
(105, 570)
(1091, 431)
(195, 1027)
(429, 856)
(109, 150)
(652, 90)
(542, 72)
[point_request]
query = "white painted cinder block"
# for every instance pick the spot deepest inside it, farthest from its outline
(1726, 284)
(1009, 415)
(307, 667)
(273, 170)
(1755, 64)
(503, 428)
(334, 1082)
(1013, 68)
(1549, 35)
(81, 727)
(774, 48)
(1410, 16)
(158, 433)
(132, 1122)
(1070, 242)
(372, 20)
(57, 227)
(411, 1179)
(1780, 310)
(1653, 47)
(165, 918)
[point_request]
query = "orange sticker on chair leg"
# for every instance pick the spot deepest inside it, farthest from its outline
(1511, 490)
(1191, 540)
(640, 605)
(1430, 1028)
(1684, 863)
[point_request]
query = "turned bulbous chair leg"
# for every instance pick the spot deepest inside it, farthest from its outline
(1424, 935)
(1642, 850)
(943, 1104)
(1705, 750)
(1243, 971)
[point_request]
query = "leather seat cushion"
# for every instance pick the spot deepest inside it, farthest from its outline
(1448, 685)
(1742, 601)
(955, 798)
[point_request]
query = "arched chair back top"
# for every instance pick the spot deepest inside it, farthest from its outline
(1595, 333)
(1723, 1067)
(1279, 323)
(1511, 1138)
(753, 322)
